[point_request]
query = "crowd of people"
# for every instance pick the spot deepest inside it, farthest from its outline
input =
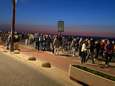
(87, 48)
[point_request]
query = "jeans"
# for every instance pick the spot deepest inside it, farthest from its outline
(90, 55)
(108, 58)
(83, 56)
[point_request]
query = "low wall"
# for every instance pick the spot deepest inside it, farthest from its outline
(88, 78)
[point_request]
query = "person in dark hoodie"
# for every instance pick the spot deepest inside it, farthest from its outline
(108, 51)
(97, 49)
(36, 40)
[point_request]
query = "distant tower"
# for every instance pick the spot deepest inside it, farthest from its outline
(60, 26)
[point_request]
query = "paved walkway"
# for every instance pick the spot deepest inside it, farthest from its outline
(14, 73)
(18, 71)
(63, 62)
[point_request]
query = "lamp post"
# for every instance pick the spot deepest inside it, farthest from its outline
(13, 25)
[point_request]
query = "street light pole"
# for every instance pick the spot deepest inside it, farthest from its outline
(13, 25)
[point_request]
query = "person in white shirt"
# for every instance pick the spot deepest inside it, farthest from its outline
(84, 52)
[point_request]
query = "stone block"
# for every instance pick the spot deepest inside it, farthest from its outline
(32, 58)
(46, 64)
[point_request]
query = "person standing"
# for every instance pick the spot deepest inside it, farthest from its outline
(108, 51)
(83, 52)
(80, 46)
(41, 42)
(48, 43)
(8, 41)
(56, 45)
(97, 49)
(90, 50)
(73, 47)
(36, 40)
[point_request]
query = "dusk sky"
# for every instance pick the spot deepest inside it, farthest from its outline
(96, 15)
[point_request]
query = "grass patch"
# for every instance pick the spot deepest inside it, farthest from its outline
(96, 72)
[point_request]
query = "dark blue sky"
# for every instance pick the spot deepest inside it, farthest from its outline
(73, 12)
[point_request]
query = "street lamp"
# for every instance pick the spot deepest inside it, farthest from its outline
(13, 25)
